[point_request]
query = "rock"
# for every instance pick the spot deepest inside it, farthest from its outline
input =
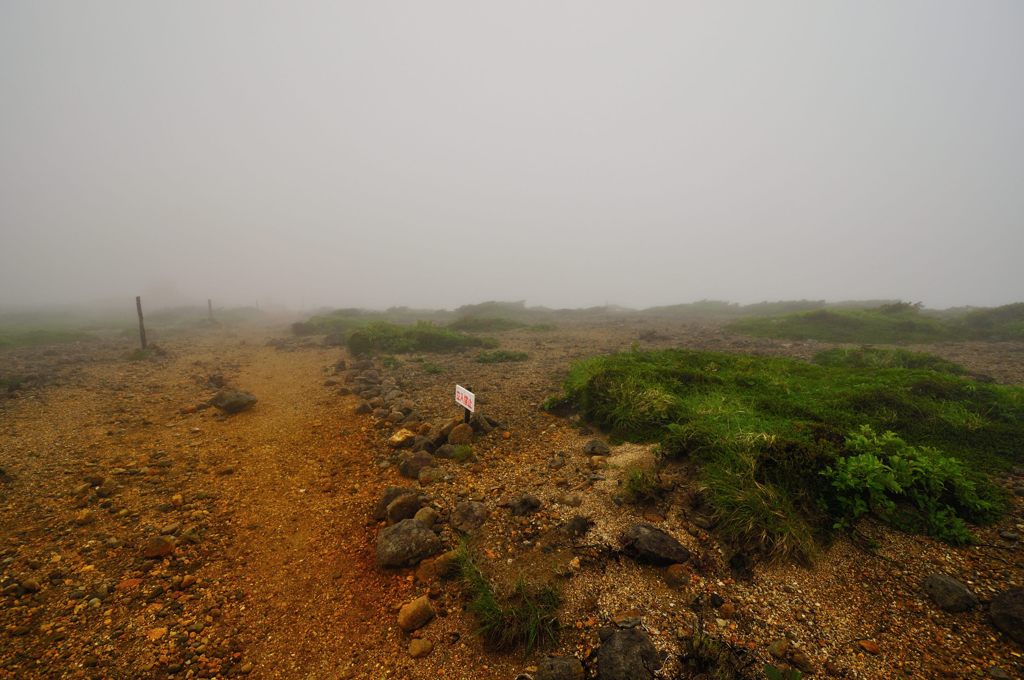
(402, 439)
(870, 646)
(84, 517)
(997, 673)
(480, 423)
(527, 504)
(650, 544)
(437, 568)
(30, 585)
(1007, 612)
(559, 668)
(577, 526)
(233, 401)
(380, 511)
(430, 475)
(420, 647)
(158, 546)
(677, 575)
(410, 464)
(949, 594)
(1009, 536)
(415, 614)
(405, 544)
(802, 662)
(427, 516)
(460, 434)
(627, 654)
(362, 408)
(779, 648)
(571, 500)
(469, 516)
(596, 447)
(404, 507)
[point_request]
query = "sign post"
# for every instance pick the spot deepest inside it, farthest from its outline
(466, 399)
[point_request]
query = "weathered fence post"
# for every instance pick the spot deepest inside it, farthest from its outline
(209, 307)
(142, 328)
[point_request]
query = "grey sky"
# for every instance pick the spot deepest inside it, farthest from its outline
(569, 153)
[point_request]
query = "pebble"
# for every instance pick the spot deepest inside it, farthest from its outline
(420, 647)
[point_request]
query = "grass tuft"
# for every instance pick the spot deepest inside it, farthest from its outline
(524, 617)
(380, 336)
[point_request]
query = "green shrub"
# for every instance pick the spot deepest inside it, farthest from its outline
(380, 336)
(431, 368)
(500, 356)
(873, 357)
(462, 453)
(913, 488)
(640, 486)
(485, 324)
(762, 430)
(524, 617)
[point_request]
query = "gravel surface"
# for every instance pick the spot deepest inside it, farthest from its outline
(270, 567)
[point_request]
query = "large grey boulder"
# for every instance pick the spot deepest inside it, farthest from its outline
(233, 401)
(1007, 612)
(405, 544)
(648, 543)
(627, 654)
(949, 594)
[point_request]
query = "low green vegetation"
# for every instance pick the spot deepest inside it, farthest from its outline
(381, 336)
(462, 453)
(501, 356)
(640, 486)
(525, 617)
(430, 368)
(485, 324)
(777, 440)
(39, 336)
(895, 323)
(150, 353)
(872, 357)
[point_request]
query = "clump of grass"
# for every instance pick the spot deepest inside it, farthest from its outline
(763, 430)
(706, 656)
(462, 453)
(893, 324)
(896, 323)
(380, 336)
(524, 617)
(874, 357)
(390, 362)
(640, 486)
(500, 356)
(431, 368)
(485, 324)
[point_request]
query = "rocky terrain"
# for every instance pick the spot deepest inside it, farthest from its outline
(260, 505)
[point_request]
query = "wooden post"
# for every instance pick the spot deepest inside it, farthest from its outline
(142, 328)
(466, 413)
(209, 307)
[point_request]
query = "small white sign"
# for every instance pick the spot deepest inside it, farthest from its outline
(465, 398)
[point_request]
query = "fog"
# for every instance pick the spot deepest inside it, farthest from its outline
(566, 153)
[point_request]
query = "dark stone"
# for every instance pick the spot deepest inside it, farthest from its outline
(949, 594)
(362, 408)
(596, 447)
(405, 544)
(648, 543)
(627, 654)
(578, 526)
(559, 668)
(233, 401)
(410, 464)
(527, 504)
(380, 511)
(1007, 612)
(469, 516)
(404, 507)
